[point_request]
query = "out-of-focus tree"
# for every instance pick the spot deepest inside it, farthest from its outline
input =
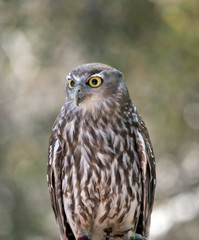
(155, 44)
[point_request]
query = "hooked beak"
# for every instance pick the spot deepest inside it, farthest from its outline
(77, 95)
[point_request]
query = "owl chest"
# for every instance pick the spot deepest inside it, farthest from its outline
(101, 169)
(101, 160)
(97, 147)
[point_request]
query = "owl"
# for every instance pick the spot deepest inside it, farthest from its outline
(101, 166)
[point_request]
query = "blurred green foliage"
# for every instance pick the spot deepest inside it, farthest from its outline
(154, 43)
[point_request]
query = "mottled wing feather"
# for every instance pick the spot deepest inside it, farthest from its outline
(54, 175)
(147, 159)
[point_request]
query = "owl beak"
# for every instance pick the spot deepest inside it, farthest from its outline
(77, 95)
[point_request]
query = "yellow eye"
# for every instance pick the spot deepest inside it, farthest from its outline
(71, 83)
(95, 82)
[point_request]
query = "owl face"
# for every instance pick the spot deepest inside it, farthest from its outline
(90, 84)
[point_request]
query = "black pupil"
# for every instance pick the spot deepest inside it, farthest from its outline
(94, 81)
(72, 83)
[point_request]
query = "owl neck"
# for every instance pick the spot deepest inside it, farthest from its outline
(95, 108)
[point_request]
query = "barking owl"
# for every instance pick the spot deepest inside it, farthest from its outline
(101, 165)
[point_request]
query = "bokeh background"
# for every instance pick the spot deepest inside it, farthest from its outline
(154, 43)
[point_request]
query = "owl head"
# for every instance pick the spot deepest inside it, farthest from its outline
(92, 83)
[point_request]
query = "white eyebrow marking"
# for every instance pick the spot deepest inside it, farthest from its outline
(68, 77)
(74, 77)
(96, 75)
(78, 79)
